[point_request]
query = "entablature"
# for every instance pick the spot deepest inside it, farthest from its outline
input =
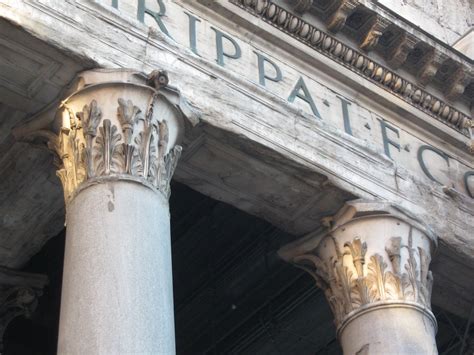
(423, 64)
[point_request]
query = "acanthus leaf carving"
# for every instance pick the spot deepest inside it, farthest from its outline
(358, 251)
(90, 117)
(146, 149)
(344, 278)
(161, 174)
(170, 163)
(71, 153)
(107, 154)
(377, 277)
(325, 278)
(128, 115)
(410, 281)
(426, 277)
(316, 268)
(428, 289)
(362, 293)
(379, 281)
(93, 146)
(394, 286)
(393, 251)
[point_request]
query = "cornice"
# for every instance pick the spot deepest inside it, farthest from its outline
(416, 31)
(400, 42)
(359, 63)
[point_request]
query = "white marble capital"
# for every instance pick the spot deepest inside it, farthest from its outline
(117, 125)
(373, 265)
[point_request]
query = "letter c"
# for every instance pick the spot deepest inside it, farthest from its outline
(466, 180)
(422, 162)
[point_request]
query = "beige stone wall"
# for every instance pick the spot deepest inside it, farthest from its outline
(447, 20)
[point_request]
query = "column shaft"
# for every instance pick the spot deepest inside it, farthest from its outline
(117, 291)
(116, 142)
(397, 328)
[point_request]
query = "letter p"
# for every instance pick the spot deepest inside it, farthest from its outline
(221, 53)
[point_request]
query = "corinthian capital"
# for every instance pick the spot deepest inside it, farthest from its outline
(116, 124)
(374, 257)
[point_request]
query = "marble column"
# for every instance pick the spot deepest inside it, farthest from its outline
(116, 143)
(372, 262)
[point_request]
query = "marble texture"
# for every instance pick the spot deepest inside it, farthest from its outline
(117, 293)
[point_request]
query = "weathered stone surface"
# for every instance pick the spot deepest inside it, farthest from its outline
(443, 19)
(117, 149)
(117, 273)
(466, 44)
(372, 264)
(287, 147)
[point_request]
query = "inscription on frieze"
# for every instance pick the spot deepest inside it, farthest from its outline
(316, 93)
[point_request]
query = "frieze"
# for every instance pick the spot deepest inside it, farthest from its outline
(357, 62)
(313, 92)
